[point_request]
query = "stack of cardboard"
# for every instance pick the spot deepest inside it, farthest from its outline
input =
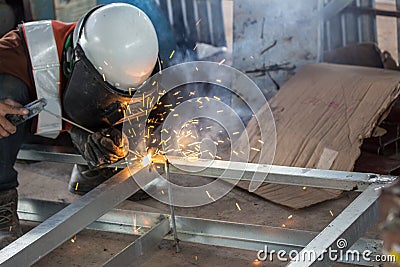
(322, 116)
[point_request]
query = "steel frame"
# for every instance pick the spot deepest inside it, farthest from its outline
(60, 223)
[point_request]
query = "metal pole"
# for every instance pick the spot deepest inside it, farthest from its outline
(171, 205)
(342, 232)
(196, 230)
(60, 227)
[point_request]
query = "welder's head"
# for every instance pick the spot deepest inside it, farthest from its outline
(115, 49)
(120, 42)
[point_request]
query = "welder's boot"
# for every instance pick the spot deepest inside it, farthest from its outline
(10, 229)
(84, 180)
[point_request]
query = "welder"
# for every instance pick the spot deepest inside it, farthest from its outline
(87, 72)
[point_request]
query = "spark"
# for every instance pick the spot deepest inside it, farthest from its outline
(76, 186)
(167, 105)
(283, 225)
(192, 93)
(207, 98)
(261, 142)
(218, 80)
(172, 54)
(153, 83)
(100, 68)
(164, 130)
(196, 258)
(304, 187)
(222, 62)
(234, 152)
(11, 227)
(208, 194)
(104, 77)
(290, 217)
(162, 191)
(195, 47)
(197, 69)
(176, 115)
(219, 111)
(217, 98)
(237, 206)
(256, 262)
(198, 22)
(177, 93)
(255, 149)
(105, 62)
(235, 133)
(331, 212)
(73, 239)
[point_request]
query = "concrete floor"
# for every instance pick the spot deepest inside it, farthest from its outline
(48, 181)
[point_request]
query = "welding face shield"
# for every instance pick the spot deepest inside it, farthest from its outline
(90, 100)
(115, 49)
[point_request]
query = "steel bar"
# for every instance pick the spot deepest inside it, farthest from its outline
(348, 225)
(349, 181)
(195, 230)
(143, 246)
(171, 206)
(59, 154)
(119, 221)
(341, 180)
(60, 227)
(373, 11)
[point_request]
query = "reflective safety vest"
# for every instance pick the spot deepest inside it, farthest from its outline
(41, 43)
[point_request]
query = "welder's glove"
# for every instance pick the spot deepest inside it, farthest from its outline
(104, 147)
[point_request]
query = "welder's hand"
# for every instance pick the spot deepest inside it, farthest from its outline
(8, 106)
(105, 147)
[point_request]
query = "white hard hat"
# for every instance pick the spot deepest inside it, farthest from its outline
(121, 43)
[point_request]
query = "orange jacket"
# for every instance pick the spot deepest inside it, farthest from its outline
(14, 58)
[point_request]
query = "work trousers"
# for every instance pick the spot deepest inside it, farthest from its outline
(12, 88)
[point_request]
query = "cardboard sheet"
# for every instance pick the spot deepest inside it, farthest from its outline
(322, 115)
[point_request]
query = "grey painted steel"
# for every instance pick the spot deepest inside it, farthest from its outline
(116, 220)
(349, 181)
(195, 230)
(60, 227)
(349, 25)
(350, 225)
(334, 7)
(277, 174)
(60, 154)
(171, 205)
(135, 253)
(398, 30)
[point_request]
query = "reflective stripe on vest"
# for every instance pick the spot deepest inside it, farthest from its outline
(46, 74)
